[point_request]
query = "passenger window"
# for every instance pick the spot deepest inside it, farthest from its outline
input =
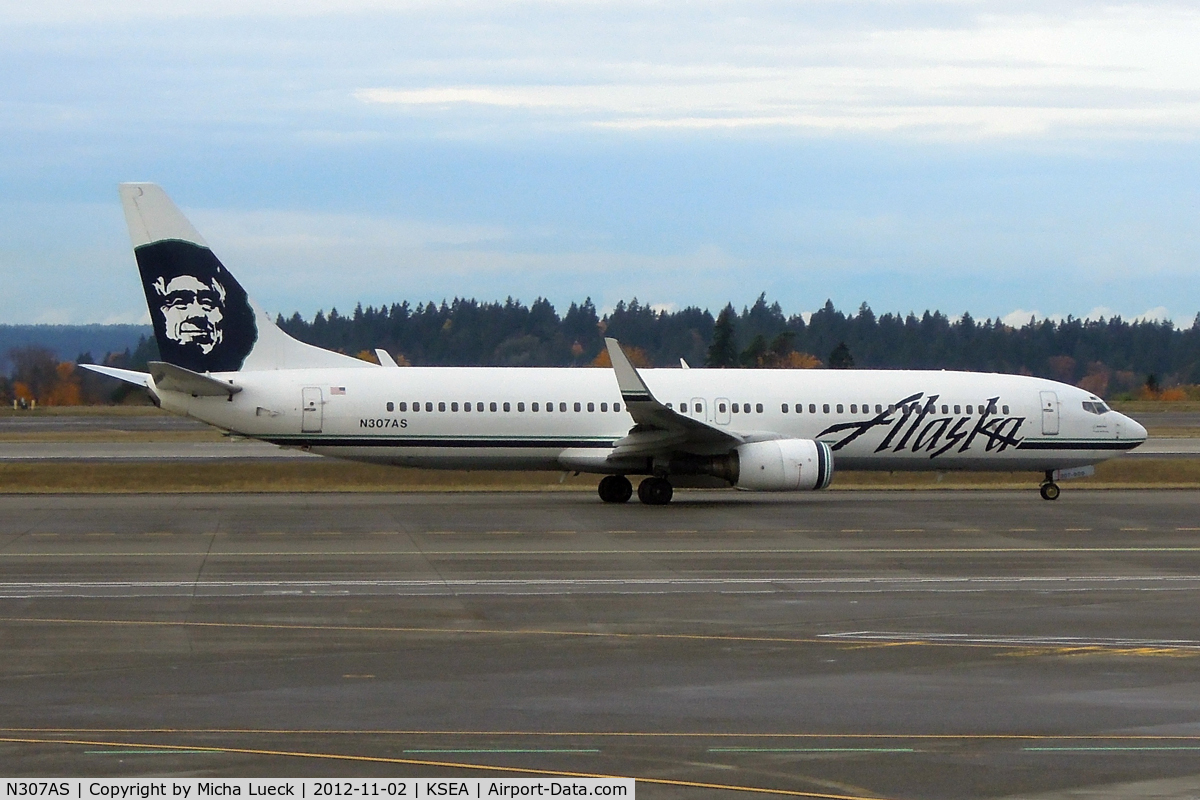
(391, 406)
(604, 406)
(563, 407)
(492, 407)
(479, 406)
(591, 407)
(799, 408)
(784, 408)
(839, 408)
(578, 408)
(758, 407)
(549, 407)
(992, 407)
(616, 406)
(812, 408)
(454, 406)
(683, 408)
(970, 409)
(825, 408)
(945, 409)
(736, 408)
(958, 409)
(507, 407)
(854, 408)
(466, 406)
(721, 407)
(878, 408)
(1004, 409)
(891, 408)
(533, 406)
(746, 408)
(404, 406)
(441, 406)
(520, 407)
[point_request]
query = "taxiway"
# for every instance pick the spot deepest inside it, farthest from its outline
(884, 645)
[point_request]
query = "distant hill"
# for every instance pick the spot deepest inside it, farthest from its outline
(69, 341)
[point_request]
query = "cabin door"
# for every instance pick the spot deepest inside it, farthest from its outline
(312, 409)
(1050, 413)
(721, 411)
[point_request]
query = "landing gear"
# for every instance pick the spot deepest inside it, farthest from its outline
(655, 491)
(615, 489)
(1050, 490)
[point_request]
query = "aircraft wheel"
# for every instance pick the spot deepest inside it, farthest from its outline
(615, 489)
(655, 491)
(1050, 491)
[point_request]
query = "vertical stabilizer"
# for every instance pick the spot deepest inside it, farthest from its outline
(203, 319)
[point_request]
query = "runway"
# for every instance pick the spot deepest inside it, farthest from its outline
(884, 645)
(244, 449)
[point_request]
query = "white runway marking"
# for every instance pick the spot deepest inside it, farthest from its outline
(545, 586)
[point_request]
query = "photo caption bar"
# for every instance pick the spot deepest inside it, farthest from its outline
(310, 788)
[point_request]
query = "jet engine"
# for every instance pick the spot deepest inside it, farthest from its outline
(777, 465)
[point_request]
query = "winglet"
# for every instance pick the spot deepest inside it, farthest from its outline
(633, 388)
(385, 358)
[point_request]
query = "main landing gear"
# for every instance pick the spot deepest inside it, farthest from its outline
(652, 491)
(1050, 490)
(655, 491)
(615, 489)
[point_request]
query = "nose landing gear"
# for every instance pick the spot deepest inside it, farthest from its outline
(1050, 490)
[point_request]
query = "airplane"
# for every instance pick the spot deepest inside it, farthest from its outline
(226, 363)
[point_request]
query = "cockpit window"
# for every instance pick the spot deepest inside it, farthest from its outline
(1095, 407)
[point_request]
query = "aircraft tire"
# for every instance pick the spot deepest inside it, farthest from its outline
(1050, 491)
(615, 489)
(655, 491)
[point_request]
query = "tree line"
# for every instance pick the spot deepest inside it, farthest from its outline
(1113, 358)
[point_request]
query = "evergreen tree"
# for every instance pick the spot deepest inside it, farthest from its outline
(723, 350)
(840, 358)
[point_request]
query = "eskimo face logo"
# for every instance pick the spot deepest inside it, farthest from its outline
(193, 311)
(202, 318)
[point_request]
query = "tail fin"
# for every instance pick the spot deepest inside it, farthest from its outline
(203, 319)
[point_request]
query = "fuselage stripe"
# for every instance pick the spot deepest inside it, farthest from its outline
(387, 441)
(1043, 444)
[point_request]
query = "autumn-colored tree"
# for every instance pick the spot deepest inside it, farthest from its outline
(636, 355)
(66, 391)
(35, 371)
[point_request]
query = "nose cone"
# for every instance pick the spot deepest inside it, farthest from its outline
(1134, 430)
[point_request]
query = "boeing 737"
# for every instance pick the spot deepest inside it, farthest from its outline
(226, 363)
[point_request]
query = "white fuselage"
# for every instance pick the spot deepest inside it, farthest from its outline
(873, 419)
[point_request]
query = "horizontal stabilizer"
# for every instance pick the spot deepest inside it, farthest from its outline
(168, 377)
(127, 375)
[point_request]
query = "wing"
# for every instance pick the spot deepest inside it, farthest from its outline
(660, 430)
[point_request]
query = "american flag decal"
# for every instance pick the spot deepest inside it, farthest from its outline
(337, 389)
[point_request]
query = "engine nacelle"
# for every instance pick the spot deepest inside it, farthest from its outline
(783, 465)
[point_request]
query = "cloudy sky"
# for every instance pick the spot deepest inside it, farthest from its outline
(1002, 158)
